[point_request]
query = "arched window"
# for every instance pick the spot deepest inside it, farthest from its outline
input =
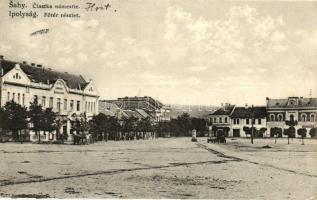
(272, 117)
(291, 117)
(304, 117)
(280, 117)
(226, 119)
(312, 117)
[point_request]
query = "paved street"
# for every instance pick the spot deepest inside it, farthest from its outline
(161, 168)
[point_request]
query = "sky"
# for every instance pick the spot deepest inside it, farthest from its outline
(180, 52)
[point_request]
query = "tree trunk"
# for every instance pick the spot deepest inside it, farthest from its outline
(39, 136)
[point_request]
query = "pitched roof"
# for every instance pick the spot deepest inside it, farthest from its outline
(243, 112)
(284, 103)
(131, 113)
(42, 75)
(224, 111)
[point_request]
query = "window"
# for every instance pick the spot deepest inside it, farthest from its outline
(8, 96)
(72, 105)
(304, 117)
(259, 121)
(35, 98)
(51, 103)
(43, 101)
(78, 106)
(226, 120)
(238, 121)
(280, 117)
(272, 117)
(65, 104)
(13, 96)
(220, 120)
(312, 117)
(19, 98)
(23, 99)
(247, 121)
(215, 119)
(58, 104)
(291, 117)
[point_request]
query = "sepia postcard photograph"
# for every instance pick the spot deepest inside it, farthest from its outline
(158, 99)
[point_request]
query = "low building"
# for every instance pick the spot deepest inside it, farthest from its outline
(70, 95)
(292, 112)
(242, 117)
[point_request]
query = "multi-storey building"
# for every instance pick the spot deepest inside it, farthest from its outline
(154, 108)
(221, 119)
(70, 96)
(247, 117)
(295, 112)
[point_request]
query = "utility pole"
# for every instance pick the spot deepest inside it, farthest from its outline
(252, 121)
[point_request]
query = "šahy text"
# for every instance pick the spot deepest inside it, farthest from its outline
(94, 7)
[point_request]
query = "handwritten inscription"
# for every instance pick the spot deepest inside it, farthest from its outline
(95, 7)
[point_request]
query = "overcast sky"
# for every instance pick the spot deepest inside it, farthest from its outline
(186, 52)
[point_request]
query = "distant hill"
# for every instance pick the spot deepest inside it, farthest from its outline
(198, 111)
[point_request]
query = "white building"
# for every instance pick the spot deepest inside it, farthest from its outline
(243, 116)
(69, 95)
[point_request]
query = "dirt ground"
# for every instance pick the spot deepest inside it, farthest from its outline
(161, 168)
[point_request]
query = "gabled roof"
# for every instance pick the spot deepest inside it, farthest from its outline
(42, 75)
(227, 110)
(243, 112)
(284, 103)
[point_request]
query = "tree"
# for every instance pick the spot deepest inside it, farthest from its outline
(247, 130)
(129, 125)
(49, 120)
(36, 118)
(199, 124)
(99, 125)
(313, 132)
(290, 132)
(302, 132)
(262, 131)
(184, 122)
(276, 132)
(14, 118)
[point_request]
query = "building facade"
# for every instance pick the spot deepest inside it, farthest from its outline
(295, 112)
(221, 119)
(69, 95)
(249, 117)
(157, 110)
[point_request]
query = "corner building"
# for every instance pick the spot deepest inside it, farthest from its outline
(70, 96)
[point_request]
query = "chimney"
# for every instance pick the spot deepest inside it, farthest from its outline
(246, 106)
(24, 63)
(1, 57)
(33, 64)
(267, 101)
